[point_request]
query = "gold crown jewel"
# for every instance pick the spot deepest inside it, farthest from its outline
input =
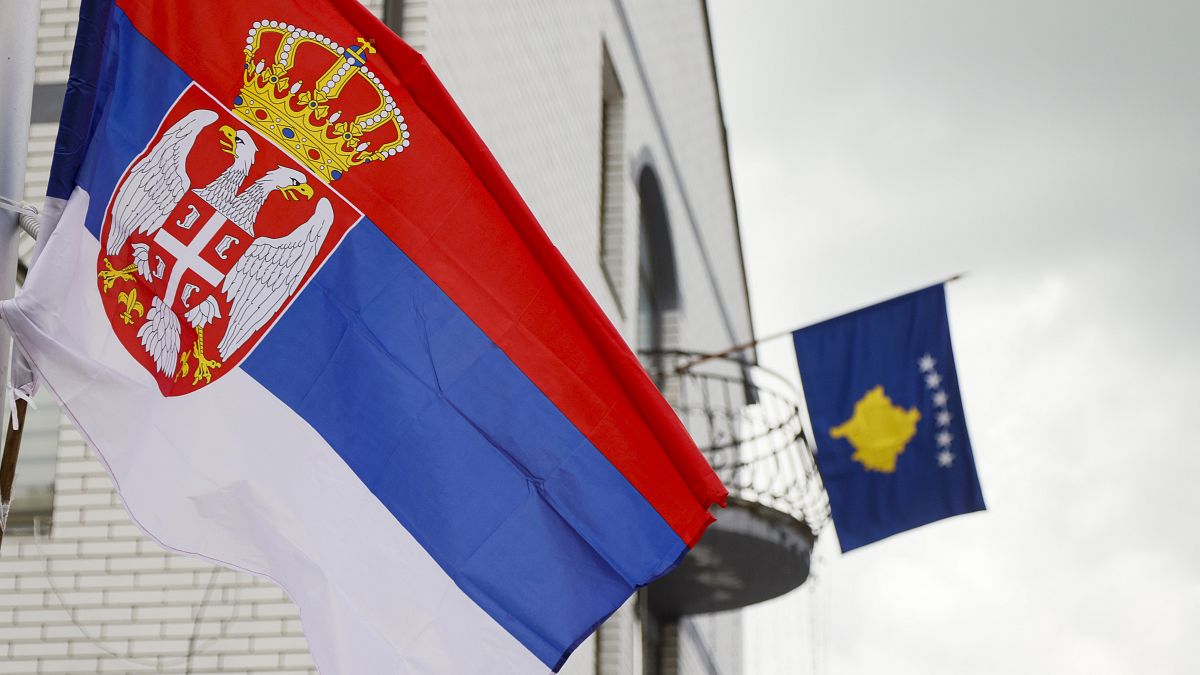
(312, 122)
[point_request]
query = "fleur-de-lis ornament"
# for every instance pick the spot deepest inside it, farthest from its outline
(132, 306)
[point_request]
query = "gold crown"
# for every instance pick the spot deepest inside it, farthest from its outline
(310, 122)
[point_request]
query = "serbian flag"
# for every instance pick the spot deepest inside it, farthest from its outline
(314, 333)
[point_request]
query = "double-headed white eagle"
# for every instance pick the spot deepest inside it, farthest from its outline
(242, 207)
(261, 281)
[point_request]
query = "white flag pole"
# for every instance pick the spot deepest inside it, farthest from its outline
(18, 48)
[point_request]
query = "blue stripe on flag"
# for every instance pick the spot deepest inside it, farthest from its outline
(75, 123)
(139, 85)
(507, 495)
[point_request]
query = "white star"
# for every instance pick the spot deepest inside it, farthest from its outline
(943, 418)
(933, 380)
(944, 438)
(939, 399)
(945, 459)
(926, 363)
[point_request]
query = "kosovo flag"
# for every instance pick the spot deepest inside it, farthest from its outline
(887, 417)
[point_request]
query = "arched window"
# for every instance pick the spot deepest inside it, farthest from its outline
(658, 290)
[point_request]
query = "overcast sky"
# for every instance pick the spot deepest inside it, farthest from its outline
(1051, 150)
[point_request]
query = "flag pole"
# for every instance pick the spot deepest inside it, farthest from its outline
(702, 358)
(18, 49)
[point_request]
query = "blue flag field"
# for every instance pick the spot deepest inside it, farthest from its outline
(887, 417)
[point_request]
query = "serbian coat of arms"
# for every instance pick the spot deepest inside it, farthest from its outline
(218, 224)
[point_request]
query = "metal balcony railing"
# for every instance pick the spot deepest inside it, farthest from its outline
(747, 421)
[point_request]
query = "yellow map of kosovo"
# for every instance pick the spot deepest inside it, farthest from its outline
(879, 430)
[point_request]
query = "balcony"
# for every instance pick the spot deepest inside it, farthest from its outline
(747, 421)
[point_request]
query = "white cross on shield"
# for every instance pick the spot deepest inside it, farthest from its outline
(187, 256)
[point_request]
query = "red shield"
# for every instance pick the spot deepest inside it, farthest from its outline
(211, 233)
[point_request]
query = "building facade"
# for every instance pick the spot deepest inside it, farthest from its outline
(606, 116)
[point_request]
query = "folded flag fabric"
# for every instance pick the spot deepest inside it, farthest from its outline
(882, 394)
(314, 333)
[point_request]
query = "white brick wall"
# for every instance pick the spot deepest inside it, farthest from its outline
(415, 23)
(719, 644)
(96, 595)
(56, 40)
(619, 642)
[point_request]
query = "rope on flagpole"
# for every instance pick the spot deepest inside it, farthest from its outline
(702, 358)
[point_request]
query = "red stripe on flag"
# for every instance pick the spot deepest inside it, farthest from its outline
(449, 206)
